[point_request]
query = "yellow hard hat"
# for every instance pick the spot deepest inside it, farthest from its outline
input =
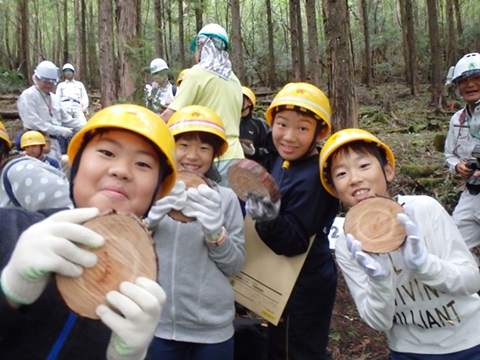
(249, 94)
(305, 96)
(4, 135)
(181, 76)
(136, 119)
(30, 138)
(341, 138)
(198, 118)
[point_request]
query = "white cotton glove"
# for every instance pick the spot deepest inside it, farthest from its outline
(261, 209)
(414, 251)
(248, 149)
(175, 200)
(375, 266)
(49, 246)
(65, 132)
(133, 325)
(205, 204)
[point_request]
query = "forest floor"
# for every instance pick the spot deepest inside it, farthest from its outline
(416, 133)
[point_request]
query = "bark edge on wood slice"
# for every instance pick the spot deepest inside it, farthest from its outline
(374, 223)
(191, 179)
(128, 252)
(247, 176)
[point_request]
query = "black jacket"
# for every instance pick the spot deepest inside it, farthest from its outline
(255, 129)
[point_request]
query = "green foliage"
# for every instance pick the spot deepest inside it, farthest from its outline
(334, 336)
(11, 81)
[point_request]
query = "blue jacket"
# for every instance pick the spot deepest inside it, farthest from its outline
(306, 209)
(31, 332)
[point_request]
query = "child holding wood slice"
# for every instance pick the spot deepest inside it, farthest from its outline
(196, 258)
(121, 160)
(299, 117)
(423, 295)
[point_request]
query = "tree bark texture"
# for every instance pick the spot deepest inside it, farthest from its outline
(181, 34)
(314, 65)
(412, 48)
(271, 50)
(342, 86)
(452, 38)
(437, 99)
(127, 45)
(367, 70)
(236, 41)
(25, 66)
(108, 86)
(293, 8)
(159, 44)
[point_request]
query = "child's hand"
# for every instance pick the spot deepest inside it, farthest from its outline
(414, 251)
(139, 306)
(175, 200)
(375, 266)
(261, 209)
(205, 204)
(49, 246)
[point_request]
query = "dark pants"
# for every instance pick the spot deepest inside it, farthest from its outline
(300, 337)
(64, 141)
(161, 349)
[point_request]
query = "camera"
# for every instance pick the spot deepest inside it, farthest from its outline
(473, 183)
(474, 164)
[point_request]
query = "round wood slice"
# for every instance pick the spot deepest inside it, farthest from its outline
(374, 223)
(191, 179)
(248, 176)
(128, 253)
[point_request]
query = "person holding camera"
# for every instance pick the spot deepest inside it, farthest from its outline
(462, 147)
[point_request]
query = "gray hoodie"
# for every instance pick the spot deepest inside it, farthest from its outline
(195, 276)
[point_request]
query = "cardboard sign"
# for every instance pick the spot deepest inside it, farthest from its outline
(266, 281)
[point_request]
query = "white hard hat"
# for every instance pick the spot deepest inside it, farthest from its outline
(158, 65)
(466, 66)
(214, 30)
(47, 71)
(68, 66)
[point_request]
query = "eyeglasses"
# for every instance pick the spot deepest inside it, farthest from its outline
(68, 71)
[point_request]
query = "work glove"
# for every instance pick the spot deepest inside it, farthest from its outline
(175, 200)
(205, 204)
(374, 265)
(138, 306)
(261, 208)
(414, 251)
(49, 246)
(248, 148)
(65, 132)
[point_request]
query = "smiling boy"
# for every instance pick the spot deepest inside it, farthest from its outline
(299, 117)
(424, 295)
(122, 160)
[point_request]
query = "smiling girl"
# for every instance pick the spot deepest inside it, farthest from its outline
(197, 258)
(121, 160)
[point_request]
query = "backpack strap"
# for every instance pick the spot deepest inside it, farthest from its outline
(6, 182)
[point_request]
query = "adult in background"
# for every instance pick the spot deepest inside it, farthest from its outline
(213, 84)
(463, 136)
(253, 130)
(159, 93)
(74, 99)
(40, 108)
